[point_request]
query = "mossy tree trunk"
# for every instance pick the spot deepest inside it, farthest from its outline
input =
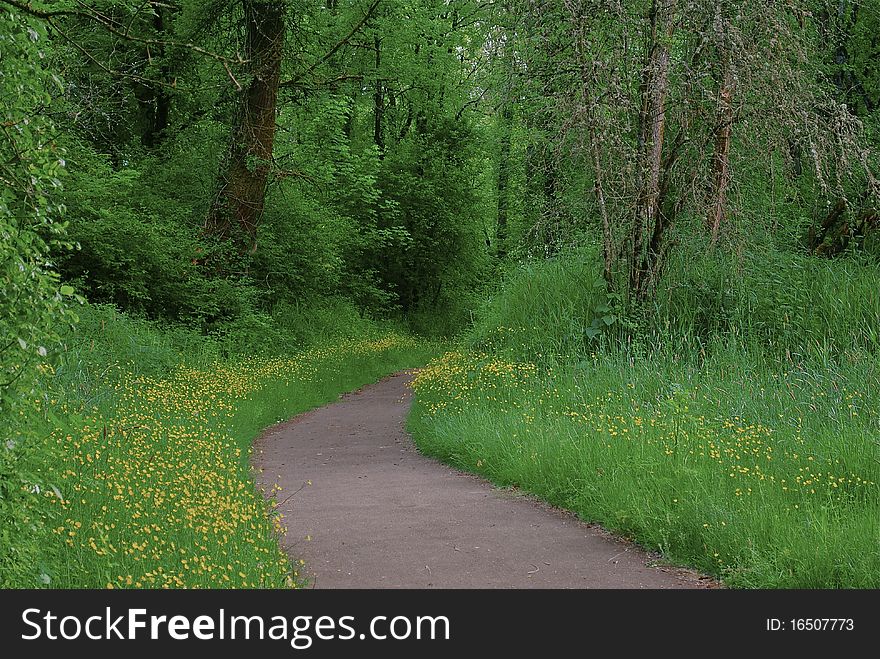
(241, 190)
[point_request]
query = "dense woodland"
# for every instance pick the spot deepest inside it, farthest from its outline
(681, 197)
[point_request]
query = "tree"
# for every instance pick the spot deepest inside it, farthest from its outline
(723, 128)
(653, 110)
(651, 223)
(503, 215)
(238, 205)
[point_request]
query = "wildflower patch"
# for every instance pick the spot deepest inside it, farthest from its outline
(151, 489)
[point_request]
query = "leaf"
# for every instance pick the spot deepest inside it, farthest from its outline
(67, 290)
(22, 343)
(592, 332)
(609, 320)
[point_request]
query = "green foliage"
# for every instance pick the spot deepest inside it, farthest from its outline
(105, 339)
(391, 228)
(33, 304)
(319, 234)
(139, 243)
(291, 327)
(129, 254)
(547, 310)
(853, 53)
(429, 182)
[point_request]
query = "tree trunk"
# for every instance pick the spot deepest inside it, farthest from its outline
(503, 181)
(608, 251)
(721, 154)
(155, 99)
(842, 227)
(649, 221)
(378, 102)
(238, 205)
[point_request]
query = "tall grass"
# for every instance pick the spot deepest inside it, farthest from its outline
(735, 428)
(781, 305)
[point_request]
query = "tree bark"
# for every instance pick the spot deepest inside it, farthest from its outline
(649, 221)
(378, 102)
(238, 206)
(503, 184)
(721, 154)
(608, 251)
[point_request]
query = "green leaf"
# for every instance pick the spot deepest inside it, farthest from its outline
(609, 320)
(67, 290)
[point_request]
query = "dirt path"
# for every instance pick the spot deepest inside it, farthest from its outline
(378, 514)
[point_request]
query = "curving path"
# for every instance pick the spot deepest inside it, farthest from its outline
(378, 514)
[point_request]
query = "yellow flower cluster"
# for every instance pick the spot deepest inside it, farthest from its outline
(733, 448)
(455, 379)
(156, 493)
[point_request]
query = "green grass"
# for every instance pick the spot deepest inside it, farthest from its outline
(781, 304)
(734, 426)
(766, 479)
(142, 467)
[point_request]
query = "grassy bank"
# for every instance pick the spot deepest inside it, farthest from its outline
(766, 479)
(741, 443)
(141, 478)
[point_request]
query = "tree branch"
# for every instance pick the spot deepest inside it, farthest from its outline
(114, 28)
(330, 53)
